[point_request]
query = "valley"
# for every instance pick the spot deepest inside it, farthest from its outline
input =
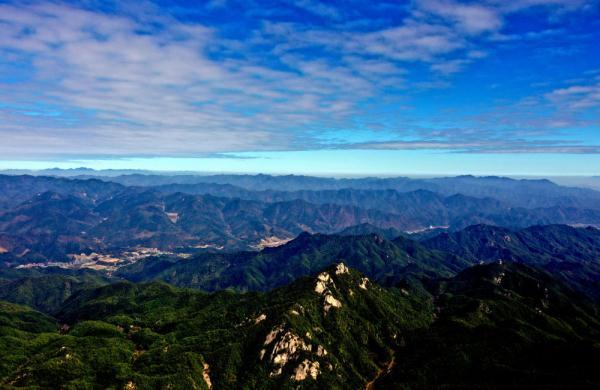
(106, 262)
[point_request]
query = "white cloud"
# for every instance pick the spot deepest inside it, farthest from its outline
(471, 18)
(318, 8)
(486, 146)
(576, 97)
(149, 84)
(160, 92)
(449, 67)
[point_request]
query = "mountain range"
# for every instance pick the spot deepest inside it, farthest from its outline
(227, 282)
(47, 219)
(516, 192)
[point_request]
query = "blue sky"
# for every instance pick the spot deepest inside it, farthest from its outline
(303, 86)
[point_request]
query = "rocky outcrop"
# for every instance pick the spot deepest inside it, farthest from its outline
(286, 349)
(323, 282)
(341, 269)
(325, 285)
(331, 301)
(305, 369)
(260, 318)
(363, 283)
(206, 376)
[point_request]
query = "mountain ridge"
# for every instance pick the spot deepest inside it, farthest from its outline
(334, 329)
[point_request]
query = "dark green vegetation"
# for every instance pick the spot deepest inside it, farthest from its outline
(383, 260)
(493, 326)
(568, 253)
(46, 289)
(154, 336)
(365, 228)
(502, 326)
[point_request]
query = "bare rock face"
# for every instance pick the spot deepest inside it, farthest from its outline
(284, 350)
(331, 301)
(305, 369)
(260, 318)
(341, 269)
(206, 376)
(297, 310)
(272, 335)
(323, 282)
(173, 217)
(324, 286)
(363, 283)
(287, 348)
(299, 353)
(321, 351)
(498, 279)
(130, 386)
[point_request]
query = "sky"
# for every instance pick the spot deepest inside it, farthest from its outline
(302, 86)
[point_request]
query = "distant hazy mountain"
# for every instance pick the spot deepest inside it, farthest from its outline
(18, 189)
(515, 192)
(72, 172)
